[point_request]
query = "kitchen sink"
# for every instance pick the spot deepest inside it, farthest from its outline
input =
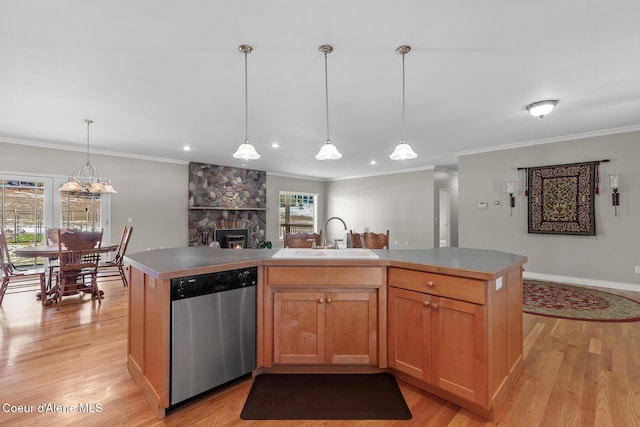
(347, 253)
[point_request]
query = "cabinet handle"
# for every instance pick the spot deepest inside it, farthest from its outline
(426, 303)
(430, 284)
(321, 301)
(328, 300)
(435, 306)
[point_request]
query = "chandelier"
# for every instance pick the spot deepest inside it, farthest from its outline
(87, 180)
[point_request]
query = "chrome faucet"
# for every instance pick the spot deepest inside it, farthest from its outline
(324, 238)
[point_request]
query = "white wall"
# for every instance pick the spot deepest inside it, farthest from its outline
(401, 203)
(153, 194)
(610, 255)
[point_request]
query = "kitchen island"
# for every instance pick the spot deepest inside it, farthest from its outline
(447, 320)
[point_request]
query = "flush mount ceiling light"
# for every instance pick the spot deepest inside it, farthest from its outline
(246, 151)
(403, 151)
(91, 181)
(541, 108)
(328, 150)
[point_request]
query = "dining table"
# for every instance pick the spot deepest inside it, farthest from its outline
(51, 252)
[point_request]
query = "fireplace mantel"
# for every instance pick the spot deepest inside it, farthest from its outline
(216, 208)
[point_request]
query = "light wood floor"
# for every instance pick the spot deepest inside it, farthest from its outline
(576, 374)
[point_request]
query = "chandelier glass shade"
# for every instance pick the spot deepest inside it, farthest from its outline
(403, 151)
(328, 151)
(246, 151)
(88, 180)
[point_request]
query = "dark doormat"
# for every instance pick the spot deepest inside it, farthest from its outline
(325, 397)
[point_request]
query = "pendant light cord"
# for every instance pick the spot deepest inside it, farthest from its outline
(246, 101)
(326, 91)
(88, 123)
(403, 100)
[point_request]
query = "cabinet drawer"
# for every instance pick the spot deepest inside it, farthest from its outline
(341, 276)
(459, 288)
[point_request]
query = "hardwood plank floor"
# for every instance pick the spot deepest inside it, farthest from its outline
(576, 373)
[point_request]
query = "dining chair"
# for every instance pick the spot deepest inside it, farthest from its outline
(302, 240)
(20, 280)
(78, 256)
(370, 240)
(115, 267)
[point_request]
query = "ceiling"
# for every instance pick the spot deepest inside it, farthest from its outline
(155, 75)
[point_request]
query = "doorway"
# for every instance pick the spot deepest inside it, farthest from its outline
(444, 218)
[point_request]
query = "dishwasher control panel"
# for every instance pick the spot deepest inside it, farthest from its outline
(203, 284)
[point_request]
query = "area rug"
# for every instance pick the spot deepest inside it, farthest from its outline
(575, 302)
(325, 397)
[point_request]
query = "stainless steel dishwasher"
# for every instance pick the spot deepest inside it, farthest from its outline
(213, 331)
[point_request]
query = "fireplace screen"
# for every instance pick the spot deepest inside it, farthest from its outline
(232, 238)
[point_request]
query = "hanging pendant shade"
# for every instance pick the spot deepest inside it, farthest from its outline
(403, 151)
(328, 151)
(246, 151)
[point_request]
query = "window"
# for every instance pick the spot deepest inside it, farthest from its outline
(298, 213)
(30, 204)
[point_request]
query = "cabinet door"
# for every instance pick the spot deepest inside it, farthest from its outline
(410, 332)
(458, 349)
(352, 327)
(299, 327)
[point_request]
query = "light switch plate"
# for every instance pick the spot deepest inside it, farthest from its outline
(498, 283)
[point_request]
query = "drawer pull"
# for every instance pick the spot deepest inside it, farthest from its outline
(329, 300)
(430, 284)
(435, 306)
(426, 303)
(321, 301)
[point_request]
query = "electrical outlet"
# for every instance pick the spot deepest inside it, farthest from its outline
(638, 269)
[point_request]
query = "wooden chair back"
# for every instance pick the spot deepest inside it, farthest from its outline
(124, 242)
(302, 240)
(21, 280)
(370, 240)
(79, 250)
(5, 260)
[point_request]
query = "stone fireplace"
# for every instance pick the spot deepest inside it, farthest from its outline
(226, 201)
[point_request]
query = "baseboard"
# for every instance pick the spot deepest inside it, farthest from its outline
(581, 281)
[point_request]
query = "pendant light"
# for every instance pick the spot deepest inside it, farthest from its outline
(328, 150)
(403, 151)
(91, 182)
(246, 151)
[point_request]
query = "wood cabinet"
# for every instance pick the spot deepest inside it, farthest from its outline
(324, 315)
(325, 327)
(442, 339)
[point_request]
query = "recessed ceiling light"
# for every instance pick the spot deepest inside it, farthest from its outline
(186, 148)
(275, 145)
(372, 162)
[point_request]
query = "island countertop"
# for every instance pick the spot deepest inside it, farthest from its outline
(175, 262)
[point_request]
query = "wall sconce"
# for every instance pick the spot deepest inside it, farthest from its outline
(614, 183)
(511, 188)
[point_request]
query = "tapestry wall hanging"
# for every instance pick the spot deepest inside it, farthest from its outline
(561, 199)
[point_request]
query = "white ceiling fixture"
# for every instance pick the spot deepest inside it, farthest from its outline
(403, 151)
(91, 182)
(246, 151)
(328, 150)
(542, 108)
